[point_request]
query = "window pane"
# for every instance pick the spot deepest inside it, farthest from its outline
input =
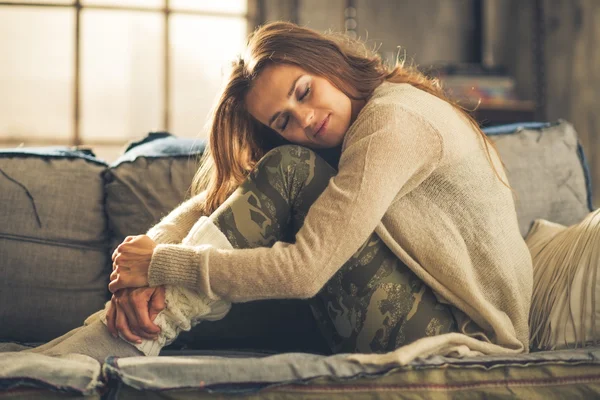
(125, 3)
(36, 72)
(225, 6)
(197, 64)
(122, 73)
(41, 1)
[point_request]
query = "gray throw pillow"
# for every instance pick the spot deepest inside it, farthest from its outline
(54, 263)
(546, 167)
(148, 181)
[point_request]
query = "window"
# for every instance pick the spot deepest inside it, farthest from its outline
(101, 73)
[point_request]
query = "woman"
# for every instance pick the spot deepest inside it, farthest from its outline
(412, 241)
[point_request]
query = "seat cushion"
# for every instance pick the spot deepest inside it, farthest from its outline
(54, 259)
(571, 374)
(35, 376)
(546, 167)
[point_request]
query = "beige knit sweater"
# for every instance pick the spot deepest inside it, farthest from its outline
(415, 172)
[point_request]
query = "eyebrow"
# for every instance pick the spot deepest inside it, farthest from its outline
(274, 117)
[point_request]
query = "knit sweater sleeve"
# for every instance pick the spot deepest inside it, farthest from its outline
(176, 225)
(387, 152)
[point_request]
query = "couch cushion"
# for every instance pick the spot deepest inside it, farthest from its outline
(53, 242)
(560, 374)
(149, 180)
(35, 376)
(546, 167)
(145, 184)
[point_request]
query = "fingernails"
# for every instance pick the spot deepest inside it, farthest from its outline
(138, 341)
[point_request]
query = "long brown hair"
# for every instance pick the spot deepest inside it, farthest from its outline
(237, 141)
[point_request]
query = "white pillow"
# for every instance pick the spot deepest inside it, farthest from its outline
(566, 295)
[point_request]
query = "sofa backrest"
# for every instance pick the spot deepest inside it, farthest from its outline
(54, 262)
(546, 167)
(54, 267)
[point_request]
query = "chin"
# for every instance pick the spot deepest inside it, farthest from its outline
(339, 139)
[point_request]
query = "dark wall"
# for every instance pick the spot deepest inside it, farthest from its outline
(427, 30)
(444, 30)
(571, 67)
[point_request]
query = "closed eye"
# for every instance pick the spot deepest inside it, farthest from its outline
(302, 97)
(306, 92)
(287, 119)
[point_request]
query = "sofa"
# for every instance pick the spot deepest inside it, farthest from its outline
(64, 211)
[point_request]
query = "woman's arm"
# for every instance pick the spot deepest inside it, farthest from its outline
(389, 152)
(176, 225)
(132, 310)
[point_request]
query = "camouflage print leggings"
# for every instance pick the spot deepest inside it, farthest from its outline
(374, 303)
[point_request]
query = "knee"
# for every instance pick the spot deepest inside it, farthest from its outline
(291, 157)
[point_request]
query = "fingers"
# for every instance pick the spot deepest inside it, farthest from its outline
(126, 280)
(124, 307)
(123, 326)
(134, 305)
(111, 315)
(115, 284)
(127, 239)
(157, 302)
(138, 300)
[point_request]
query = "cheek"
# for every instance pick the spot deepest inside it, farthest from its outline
(342, 104)
(344, 110)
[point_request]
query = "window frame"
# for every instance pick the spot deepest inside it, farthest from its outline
(252, 17)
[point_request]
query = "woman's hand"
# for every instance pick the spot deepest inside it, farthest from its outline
(131, 261)
(132, 311)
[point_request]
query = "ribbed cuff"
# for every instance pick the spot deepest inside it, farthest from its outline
(186, 264)
(175, 264)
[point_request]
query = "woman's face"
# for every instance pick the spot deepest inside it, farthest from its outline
(305, 109)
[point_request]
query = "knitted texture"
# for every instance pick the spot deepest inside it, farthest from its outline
(185, 307)
(416, 172)
(173, 228)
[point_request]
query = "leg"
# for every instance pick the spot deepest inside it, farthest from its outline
(184, 308)
(93, 340)
(270, 205)
(374, 303)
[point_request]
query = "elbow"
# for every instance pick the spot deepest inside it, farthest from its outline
(310, 290)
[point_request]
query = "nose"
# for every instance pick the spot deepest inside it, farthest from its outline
(305, 116)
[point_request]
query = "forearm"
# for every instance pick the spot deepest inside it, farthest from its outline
(175, 226)
(276, 277)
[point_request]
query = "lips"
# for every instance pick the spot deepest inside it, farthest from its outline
(322, 126)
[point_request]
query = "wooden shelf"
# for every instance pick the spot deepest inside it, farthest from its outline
(505, 112)
(513, 105)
